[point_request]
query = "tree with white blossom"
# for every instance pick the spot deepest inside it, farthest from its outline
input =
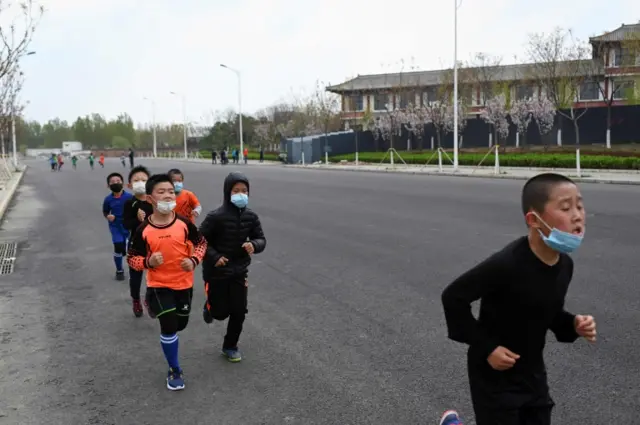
(521, 113)
(389, 125)
(495, 114)
(543, 112)
(449, 117)
(416, 119)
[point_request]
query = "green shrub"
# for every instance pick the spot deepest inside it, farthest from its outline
(541, 160)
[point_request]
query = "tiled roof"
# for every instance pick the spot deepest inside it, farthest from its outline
(621, 34)
(435, 78)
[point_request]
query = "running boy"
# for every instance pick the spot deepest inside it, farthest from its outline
(101, 160)
(522, 289)
(136, 210)
(92, 160)
(113, 209)
(169, 247)
(74, 162)
(233, 233)
(187, 203)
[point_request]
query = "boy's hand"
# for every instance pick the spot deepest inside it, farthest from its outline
(586, 327)
(111, 217)
(141, 215)
(187, 265)
(156, 259)
(502, 359)
(248, 246)
(222, 261)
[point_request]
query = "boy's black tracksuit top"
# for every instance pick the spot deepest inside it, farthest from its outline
(226, 229)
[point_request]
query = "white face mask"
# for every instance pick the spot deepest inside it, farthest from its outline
(139, 187)
(165, 207)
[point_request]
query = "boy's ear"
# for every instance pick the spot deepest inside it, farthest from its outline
(532, 220)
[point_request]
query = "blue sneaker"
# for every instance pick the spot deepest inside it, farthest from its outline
(232, 354)
(450, 417)
(175, 381)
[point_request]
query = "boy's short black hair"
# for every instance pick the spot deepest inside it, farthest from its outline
(139, 169)
(114, 175)
(155, 180)
(536, 191)
(174, 171)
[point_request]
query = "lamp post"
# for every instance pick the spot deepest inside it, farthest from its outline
(13, 117)
(241, 156)
(153, 115)
(455, 86)
(184, 118)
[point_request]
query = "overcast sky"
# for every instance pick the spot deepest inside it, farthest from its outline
(105, 56)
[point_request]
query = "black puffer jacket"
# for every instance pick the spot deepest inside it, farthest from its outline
(226, 229)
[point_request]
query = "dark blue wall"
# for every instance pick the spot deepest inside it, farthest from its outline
(625, 128)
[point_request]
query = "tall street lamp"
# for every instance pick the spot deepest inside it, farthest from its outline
(241, 156)
(184, 120)
(153, 113)
(455, 84)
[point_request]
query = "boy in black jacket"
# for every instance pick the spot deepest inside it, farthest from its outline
(233, 233)
(136, 210)
(522, 289)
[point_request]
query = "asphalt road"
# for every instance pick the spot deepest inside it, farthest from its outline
(345, 322)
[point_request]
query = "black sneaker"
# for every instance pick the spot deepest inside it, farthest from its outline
(206, 315)
(120, 275)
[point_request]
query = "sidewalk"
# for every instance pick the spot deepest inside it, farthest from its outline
(8, 190)
(208, 161)
(629, 177)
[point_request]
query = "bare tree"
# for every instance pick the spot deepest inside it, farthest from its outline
(327, 106)
(485, 72)
(16, 37)
(563, 67)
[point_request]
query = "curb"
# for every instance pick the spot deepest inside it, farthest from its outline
(11, 191)
(486, 176)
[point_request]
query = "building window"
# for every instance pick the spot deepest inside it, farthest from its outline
(380, 101)
(404, 99)
(524, 91)
(589, 90)
(625, 57)
(430, 94)
(623, 89)
(357, 102)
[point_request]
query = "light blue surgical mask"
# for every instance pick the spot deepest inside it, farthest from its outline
(560, 241)
(240, 200)
(177, 186)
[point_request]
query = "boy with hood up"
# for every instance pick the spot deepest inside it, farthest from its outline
(233, 233)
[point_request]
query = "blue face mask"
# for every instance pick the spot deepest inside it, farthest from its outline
(240, 200)
(560, 241)
(177, 186)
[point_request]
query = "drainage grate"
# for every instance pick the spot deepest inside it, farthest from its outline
(7, 257)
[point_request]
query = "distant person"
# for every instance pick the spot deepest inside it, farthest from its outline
(60, 161)
(187, 203)
(522, 291)
(113, 211)
(92, 160)
(233, 233)
(122, 160)
(234, 155)
(101, 160)
(214, 155)
(223, 157)
(131, 155)
(245, 154)
(53, 160)
(136, 211)
(169, 247)
(261, 154)
(74, 162)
